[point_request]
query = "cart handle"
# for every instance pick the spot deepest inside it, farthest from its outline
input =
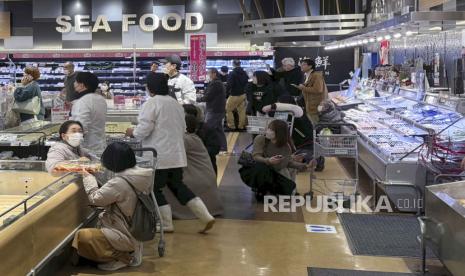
(319, 127)
(439, 176)
(154, 151)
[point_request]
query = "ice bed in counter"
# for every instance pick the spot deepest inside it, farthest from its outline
(38, 214)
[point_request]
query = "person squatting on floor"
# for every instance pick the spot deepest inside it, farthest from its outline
(273, 155)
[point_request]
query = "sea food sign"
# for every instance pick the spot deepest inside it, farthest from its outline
(148, 22)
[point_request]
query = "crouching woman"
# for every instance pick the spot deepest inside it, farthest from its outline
(111, 243)
(271, 171)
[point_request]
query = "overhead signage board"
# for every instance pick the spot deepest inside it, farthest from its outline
(147, 22)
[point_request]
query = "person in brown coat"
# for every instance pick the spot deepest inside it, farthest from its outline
(314, 89)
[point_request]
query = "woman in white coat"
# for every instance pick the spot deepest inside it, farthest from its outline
(162, 126)
(91, 110)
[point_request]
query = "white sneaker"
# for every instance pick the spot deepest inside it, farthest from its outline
(112, 266)
(137, 255)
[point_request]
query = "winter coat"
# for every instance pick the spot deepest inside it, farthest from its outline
(200, 177)
(263, 96)
(27, 92)
(161, 126)
(61, 151)
(91, 111)
(215, 97)
(70, 92)
(183, 88)
(294, 76)
(117, 191)
(315, 92)
(237, 80)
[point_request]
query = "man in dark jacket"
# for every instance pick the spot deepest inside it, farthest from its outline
(237, 80)
(290, 74)
(215, 98)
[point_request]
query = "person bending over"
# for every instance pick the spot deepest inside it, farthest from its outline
(198, 175)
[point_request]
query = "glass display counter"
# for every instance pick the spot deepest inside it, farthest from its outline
(38, 215)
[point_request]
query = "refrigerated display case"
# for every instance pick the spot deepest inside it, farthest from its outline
(39, 215)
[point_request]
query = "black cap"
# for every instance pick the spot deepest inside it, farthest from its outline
(224, 69)
(173, 59)
(157, 83)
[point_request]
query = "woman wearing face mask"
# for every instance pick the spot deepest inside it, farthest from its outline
(262, 92)
(272, 153)
(68, 148)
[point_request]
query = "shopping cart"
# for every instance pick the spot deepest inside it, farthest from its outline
(143, 161)
(341, 145)
(258, 124)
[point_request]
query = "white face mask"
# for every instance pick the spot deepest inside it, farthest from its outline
(66, 72)
(320, 108)
(269, 134)
(207, 78)
(75, 139)
(104, 87)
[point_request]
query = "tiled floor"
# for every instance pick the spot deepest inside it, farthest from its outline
(248, 241)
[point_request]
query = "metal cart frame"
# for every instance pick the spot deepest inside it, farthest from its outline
(344, 145)
(258, 124)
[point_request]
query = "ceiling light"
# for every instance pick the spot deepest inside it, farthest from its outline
(371, 40)
(379, 38)
(460, 22)
(397, 35)
(78, 4)
(360, 42)
(365, 41)
(437, 28)
(387, 37)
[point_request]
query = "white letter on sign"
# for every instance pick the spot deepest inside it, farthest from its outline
(175, 16)
(127, 21)
(198, 25)
(101, 24)
(149, 28)
(81, 24)
(64, 25)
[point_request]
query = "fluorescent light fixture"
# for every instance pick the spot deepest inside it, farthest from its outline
(459, 23)
(379, 38)
(387, 37)
(409, 33)
(78, 4)
(437, 28)
(397, 35)
(365, 41)
(371, 40)
(360, 42)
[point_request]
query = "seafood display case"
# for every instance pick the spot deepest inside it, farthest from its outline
(394, 129)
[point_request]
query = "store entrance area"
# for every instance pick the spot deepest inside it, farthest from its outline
(248, 241)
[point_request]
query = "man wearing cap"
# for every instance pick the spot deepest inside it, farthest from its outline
(181, 87)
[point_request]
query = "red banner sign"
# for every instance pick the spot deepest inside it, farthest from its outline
(198, 57)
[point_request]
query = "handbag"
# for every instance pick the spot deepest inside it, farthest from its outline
(12, 119)
(31, 106)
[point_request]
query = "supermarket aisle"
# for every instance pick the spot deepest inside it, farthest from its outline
(247, 241)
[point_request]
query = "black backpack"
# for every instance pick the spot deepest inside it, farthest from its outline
(142, 224)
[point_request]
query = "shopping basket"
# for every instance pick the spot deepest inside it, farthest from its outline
(342, 145)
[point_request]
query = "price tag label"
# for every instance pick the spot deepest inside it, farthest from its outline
(60, 115)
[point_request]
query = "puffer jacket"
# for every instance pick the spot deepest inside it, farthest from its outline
(61, 151)
(117, 191)
(315, 91)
